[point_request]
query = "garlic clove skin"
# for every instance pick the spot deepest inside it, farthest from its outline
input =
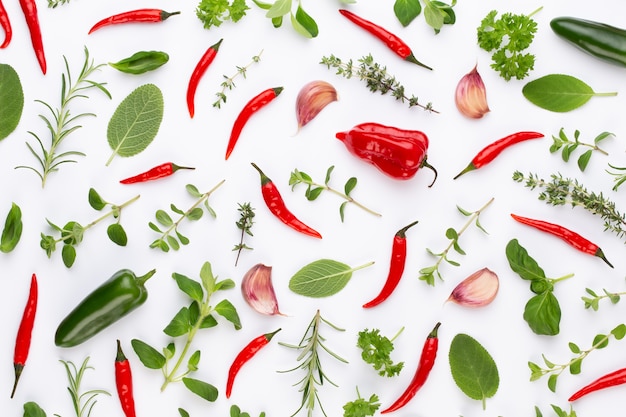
(477, 290)
(312, 99)
(258, 291)
(471, 96)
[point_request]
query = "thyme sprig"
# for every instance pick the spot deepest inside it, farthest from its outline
(229, 81)
(245, 222)
(83, 402)
(376, 78)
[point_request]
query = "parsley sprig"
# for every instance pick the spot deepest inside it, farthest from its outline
(361, 407)
(215, 12)
(376, 350)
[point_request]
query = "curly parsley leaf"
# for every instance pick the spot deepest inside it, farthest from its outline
(376, 350)
(361, 407)
(215, 12)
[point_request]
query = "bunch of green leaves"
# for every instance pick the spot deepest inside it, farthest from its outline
(62, 122)
(314, 189)
(12, 231)
(620, 175)
(574, 365)
(171, 237)
(507, 38)
(593, 302)
(200, 314)
(558, 411)
(212, 13)
(71, 234)
(428, 274)
(83, 402)
(245, 222)
(11, 100)
(376, 350)
(436, 13)
(542, 312)
(361, 407)
(309, 348)
(567, 146)
(229, 82)
(322, 278)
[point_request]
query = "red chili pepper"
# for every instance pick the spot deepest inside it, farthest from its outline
(22, 342)
(6, 26)
(396, 267)
(124, 382)
(244, 356)
(134, 16)
(29, 7)
(427, 360)
(609, 380)
(398, 153)
(198, 72)
(572, 238)
(159, 171)
(275, 203)
(248, 110)
(490, 152)
(392, 41)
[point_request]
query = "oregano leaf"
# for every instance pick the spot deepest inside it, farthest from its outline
(68, 254)
(322, 278)
(117, 234)
(350, 184)
(95, 201)
(227, 310)
(149, 356)
(190, 287)
(583, 159)
(179, 325)
(201, 388)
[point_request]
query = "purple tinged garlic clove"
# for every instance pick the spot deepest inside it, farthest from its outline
(471, 95)
(312, 98)
(258, 291)
(477, 290)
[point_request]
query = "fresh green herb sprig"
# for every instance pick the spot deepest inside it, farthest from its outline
(54, 3)
(361, 407)
(62, 122)
(245, 222)
(560, 412)
(620, 175)
(436, 13)
(428, 274)
(376, 78)
(83, 402)
(235, 411)
(212, 13)
(574, 365)
(229, 82)
(12, 231)
(593, 302)
(309, 348)
(314, 189)
(200, 314)
(302, 22)
(171, 237)
(376, 350)
(567, 146)
(72, 233)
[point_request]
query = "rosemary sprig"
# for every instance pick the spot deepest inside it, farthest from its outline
(245, 222)
(620, 175)
(559, 191)
(229, 82)
(83, 402)
(62, 123)
(376, 78)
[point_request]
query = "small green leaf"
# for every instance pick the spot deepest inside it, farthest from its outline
(169, 351)
(321, 278)
(434, 16)
(193, 190)
(552, 380)
(583, 159)
(406, 11)
(154, 227)
(350, 184)
(32, 409)
(208, 322)
(11, 100)
(279, 9)
(95, 200)
(567, 151)
(342, 209)
(149, 356)
(543, 314)
(201, 388)
(207, 278)
(313, 193)
(600, 341)
(171, 240)
(573, 347)
(227, 310)
(117, 234)
(183, 239)
(304, 24)
(12, 231)
(68, 253)
(522, 263)
(452, 234)
(194, 360)
(163, 218)
(329, 171)
(262, 5)
(183, 413)
(190, 287)
(575, 366)
(72, 233)
(225, 284)
(195, 214)
(602, 136)
(619, 332)
(179, 325)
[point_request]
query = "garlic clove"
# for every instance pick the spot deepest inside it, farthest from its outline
(471, 95)
(477, 290)
(312, 98)
(258, 291)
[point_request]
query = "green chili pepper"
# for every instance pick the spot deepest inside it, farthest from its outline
(141, 62)
(115, 298)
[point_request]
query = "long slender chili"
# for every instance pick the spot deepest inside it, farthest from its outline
(198, 72)
(29, 7)
(392, 41)
(396, 266)
(5, 23)
(275, 203)
(164, 170)
(572, 238)
(24, 333)
(124, 382)
(134, 16)
(491, 151)
(244, 356)
(427, 360)
(260, 100)
(609, 380)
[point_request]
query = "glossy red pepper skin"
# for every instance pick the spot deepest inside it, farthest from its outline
(275, 203)
(244, 356)
(392, 41)
(399, 153)
(491, 151)
(24, 332)
(254, 105)
(611, 379)
(29, 7)
(569, 236)
(396, 267)
(426, 363)
(160, 171)
(5, 23)
(133, 16)
(124, 382)
(201, 67)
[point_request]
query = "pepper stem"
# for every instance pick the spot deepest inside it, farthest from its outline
(429, 166)
(18, 372)
(468, 168)
(600, 254)
(433, 333)
(177, 167)
(402, 232)
(269, 336)
(264, 178)
(142, 279)
(411, 58)
(119, 357)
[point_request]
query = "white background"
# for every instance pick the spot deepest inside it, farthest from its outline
(290, 61)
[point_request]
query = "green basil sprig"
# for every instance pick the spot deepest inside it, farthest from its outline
(141, 62)
(12, 231)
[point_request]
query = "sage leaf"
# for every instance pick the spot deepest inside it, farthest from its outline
(149, 356)
(322, 278)
(543, 314)
(522, 263)
(32, 409)
(407, 10)
(473, 369)
(201, 389)
(136, 121)
(12, 231)
(559, 92)
(11, 100)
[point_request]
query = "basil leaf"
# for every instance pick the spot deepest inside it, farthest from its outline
(522, 263)
(201, 388)
(32, 409)
(12, 231)
(543, 314)
(225, 309)
(279, 9)
(407, 10)
(11, 100)
(149, 356)
(304, 23)
(434, 16)
(322, 278)
(136, 121)
(473, 369)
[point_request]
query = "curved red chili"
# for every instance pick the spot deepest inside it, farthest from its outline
(5, 23)
(198, 72)
(275, 203)
(426, 363)
(392, 41)
(244, 356)
(134, 16)
(248, 110)
(29, 7)
(24, 333)
(572, 238)
(124, 382)
(159, 171)
(491, 151)
(396, 267)
(609, 380)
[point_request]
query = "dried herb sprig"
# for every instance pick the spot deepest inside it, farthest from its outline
(376, 78)
(245, 222)
(229, 82)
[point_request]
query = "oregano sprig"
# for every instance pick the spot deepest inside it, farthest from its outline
(245, 222)
(229, 81)
(567, 146)
(593, 302)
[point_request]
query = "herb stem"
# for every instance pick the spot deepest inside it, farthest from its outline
(563, 278)
(347, 198)
(535, 12)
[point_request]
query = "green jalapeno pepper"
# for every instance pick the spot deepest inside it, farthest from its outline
(112, 300)
(141, 62)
